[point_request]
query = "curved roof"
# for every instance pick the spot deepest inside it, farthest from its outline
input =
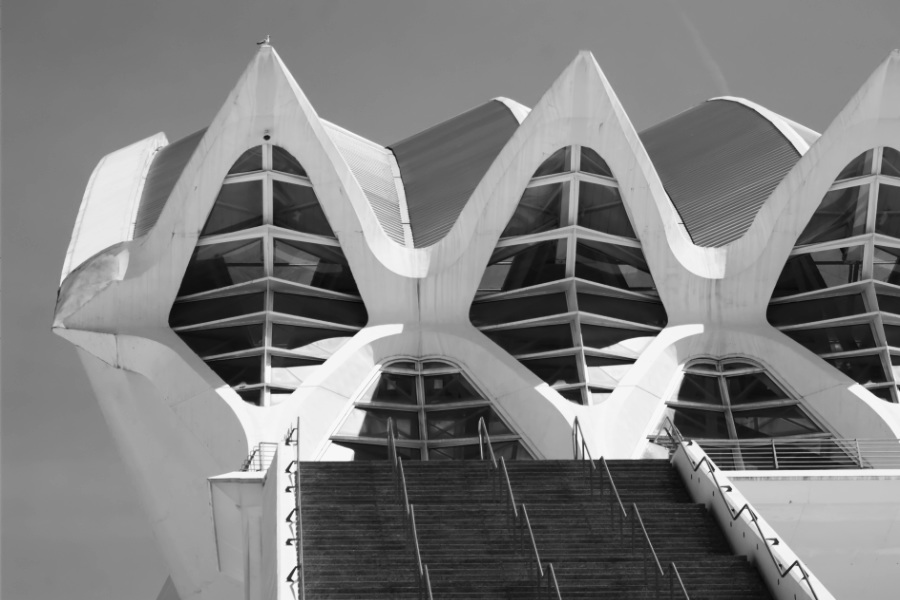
(164, 172)
(442, 165)
(371, 164)
(719, 162)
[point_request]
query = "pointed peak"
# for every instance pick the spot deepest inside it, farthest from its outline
(266, 42)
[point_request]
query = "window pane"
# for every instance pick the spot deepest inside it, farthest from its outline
(575, 395)
(615, 339)
(884, 393)
(557, 163)
(820, 270)
(773, 422)
(600, 208)
(606, 372)
(283, 162)
(507, 450)
(862, 369)
(238, 206)
(529, 340)
(514, 267)
(249, 161)
(694, 423)
(429, 366)
(697, 388)
(592, 163)
(859, 166)
(462, 423)
(835, 339)
(200, 311)
(755, 387)
(296, 207)
(539, 210)
(290, 371)
(892, 334)
(842, 214)
(887, 220)
(885, 265)
(314, 264)
(887, 303)
(809, 311)
(732, 366)
(312, 341)
(364, 452)
(396, 389)
(238, 372)
(556, 370)
(517, 309)
(636, 311)
(890, 162)
(451, 387)
(251, 396)
(344, 312)
(617, 266)
(373, 422)
(220, 265)
(209, 342)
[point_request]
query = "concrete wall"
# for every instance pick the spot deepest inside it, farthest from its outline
(845, 524)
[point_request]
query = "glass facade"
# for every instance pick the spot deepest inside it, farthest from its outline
(736, 399)
(839, 292)
(567, 290)
(435, 410)
(267, 295)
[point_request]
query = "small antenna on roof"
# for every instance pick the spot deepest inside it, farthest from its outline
(264, 42)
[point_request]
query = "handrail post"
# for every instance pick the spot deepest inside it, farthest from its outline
(859, 454)
(774, 454)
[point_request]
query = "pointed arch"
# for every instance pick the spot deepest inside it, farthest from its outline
(267, 295)
(435, 409)
(567, 290)
(839, 292)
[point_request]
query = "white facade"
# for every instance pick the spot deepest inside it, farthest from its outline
(178, 424)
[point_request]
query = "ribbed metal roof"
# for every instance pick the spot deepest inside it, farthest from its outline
(161, 179)
(371, 164)
(718, 161)
(441, 166)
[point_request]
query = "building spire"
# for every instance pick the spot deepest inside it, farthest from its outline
(265, 41)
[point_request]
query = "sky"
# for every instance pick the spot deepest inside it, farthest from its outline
(82, 79)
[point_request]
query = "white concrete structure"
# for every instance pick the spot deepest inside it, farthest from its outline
(276, 266)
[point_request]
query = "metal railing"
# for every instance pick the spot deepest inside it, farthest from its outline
(261, 457)
(293, 439)
(516, 518)
(736, 513)
(581, 452)
(803, 453)
(422, 577)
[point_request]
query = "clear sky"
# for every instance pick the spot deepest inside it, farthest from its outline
(82, 79)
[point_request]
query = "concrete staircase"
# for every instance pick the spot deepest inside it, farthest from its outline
(355, 536)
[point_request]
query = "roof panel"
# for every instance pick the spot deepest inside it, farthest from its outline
(371, 165)
(719, 162)
(161, 179)
(441, 166)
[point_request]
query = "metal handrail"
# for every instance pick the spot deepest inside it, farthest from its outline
(804, 453)
(482, 436)
(735, 514)
(636, 519)
(519, 525)
(552, 579)
(578, 435)
(296, 512)
(526, 523)
(671, 431)
(424, 579)
(260, 457)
